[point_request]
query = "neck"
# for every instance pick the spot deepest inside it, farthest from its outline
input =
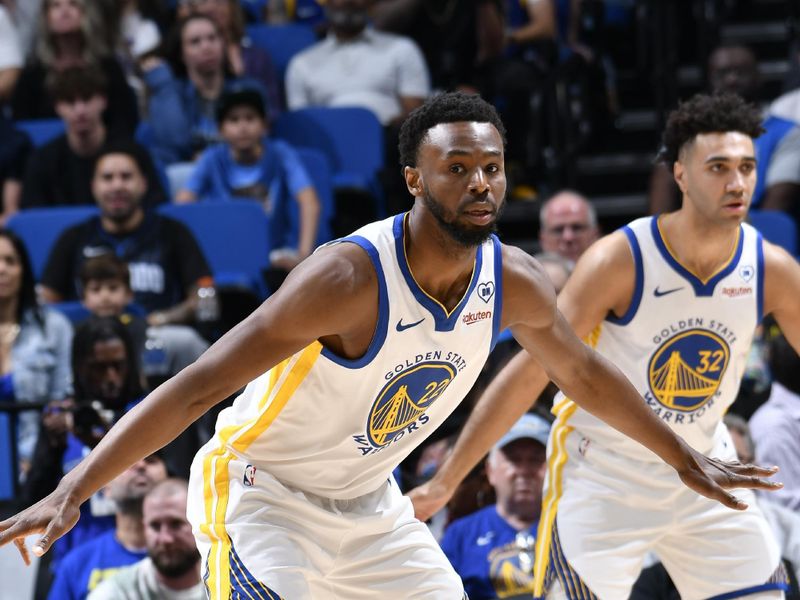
(346, 36)
(683, 228)
(208, 84)
(130, 530)
(69, 48)
(182, 582)
(247, 156)
(119, 227)
(518, 521)
(87, 143)
(441, 266)
(8, 310)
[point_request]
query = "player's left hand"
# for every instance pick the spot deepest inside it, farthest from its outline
(711, 477)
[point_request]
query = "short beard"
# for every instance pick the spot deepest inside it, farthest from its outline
(179, 566)
(468, 237)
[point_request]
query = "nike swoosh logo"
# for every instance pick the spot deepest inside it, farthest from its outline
(401, 327)
(658, 293)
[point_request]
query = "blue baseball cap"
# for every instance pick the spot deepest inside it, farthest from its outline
(531, 426)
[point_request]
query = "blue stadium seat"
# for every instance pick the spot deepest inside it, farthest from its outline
(41, 131)
(281, 42)
(39, 229)
(234, 237)
(776, 227)
(319, 168)
(351, 138)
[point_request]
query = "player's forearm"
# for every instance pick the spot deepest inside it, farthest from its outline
(601, 389)
(511, 393)
(149, 426)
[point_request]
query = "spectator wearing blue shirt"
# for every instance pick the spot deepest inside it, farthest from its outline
(248, 165)
(492, 549)
(84, 567)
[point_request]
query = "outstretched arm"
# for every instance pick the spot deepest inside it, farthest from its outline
(584, 376)
(296, 315)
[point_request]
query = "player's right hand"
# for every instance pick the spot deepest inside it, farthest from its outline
(712, 478)
(429, 498)
(52, 516)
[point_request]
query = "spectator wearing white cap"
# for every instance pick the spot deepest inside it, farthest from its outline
(492, 549)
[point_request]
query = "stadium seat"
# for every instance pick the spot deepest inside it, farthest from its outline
(41, 131)
(777, 227)
(234, 237)
(351, 138)
(281, 42)
(319, 168)
(39, 228)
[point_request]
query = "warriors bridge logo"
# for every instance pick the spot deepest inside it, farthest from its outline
(686, 371)
(400, 407)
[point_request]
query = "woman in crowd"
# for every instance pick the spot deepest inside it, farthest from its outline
(68, 37)
(34, 345)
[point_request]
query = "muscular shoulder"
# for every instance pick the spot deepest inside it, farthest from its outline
(781, 278)
(528, 294)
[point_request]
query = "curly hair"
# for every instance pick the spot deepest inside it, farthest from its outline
(453, 107)
(718, 113)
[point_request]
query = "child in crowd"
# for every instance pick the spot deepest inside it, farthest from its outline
(163, 350)
(250, 166)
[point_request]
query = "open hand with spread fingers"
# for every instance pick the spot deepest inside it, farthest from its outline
(711, 477)
(52, 516)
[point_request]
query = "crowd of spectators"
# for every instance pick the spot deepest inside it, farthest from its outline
(173, 102)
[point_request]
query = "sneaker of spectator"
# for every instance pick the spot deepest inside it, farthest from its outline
(171, 570)
(68, 37)
(60, 172)
(85, 567)
(163, 256)
(249, 165)
(244, 58)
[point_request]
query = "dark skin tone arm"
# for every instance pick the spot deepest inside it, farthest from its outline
(295, 316)
(554, 352)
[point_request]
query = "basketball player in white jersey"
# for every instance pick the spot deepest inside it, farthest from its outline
(673, 302)
(365, 349)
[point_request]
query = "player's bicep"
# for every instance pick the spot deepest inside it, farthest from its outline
(781, 291)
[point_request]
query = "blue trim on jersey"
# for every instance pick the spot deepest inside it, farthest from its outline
(751, 590)
(636, 299)
(498, 290)
(244, 583)
(760, 277)
(383, 311)
(441, 319)
(700, 288)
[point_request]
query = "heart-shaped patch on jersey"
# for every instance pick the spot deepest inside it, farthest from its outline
(486, 291)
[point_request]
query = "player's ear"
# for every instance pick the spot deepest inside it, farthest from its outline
(678, 172)
(413, 181)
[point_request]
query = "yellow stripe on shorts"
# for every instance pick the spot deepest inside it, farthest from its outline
(555, 487)
(283, 384)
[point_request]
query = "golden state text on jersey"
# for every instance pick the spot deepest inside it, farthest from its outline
(337, 427)
(683, 341)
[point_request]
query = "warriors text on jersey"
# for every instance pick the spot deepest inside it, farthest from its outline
(683, 342)
(337, 427)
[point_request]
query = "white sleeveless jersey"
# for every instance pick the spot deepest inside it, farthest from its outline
(337, 427)
(683, 342)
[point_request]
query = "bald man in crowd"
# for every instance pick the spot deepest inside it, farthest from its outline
(567, 225)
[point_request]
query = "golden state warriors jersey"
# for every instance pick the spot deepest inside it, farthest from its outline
(337, 427)
(683, 342)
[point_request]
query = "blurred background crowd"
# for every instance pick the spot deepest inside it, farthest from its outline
(165, 163)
